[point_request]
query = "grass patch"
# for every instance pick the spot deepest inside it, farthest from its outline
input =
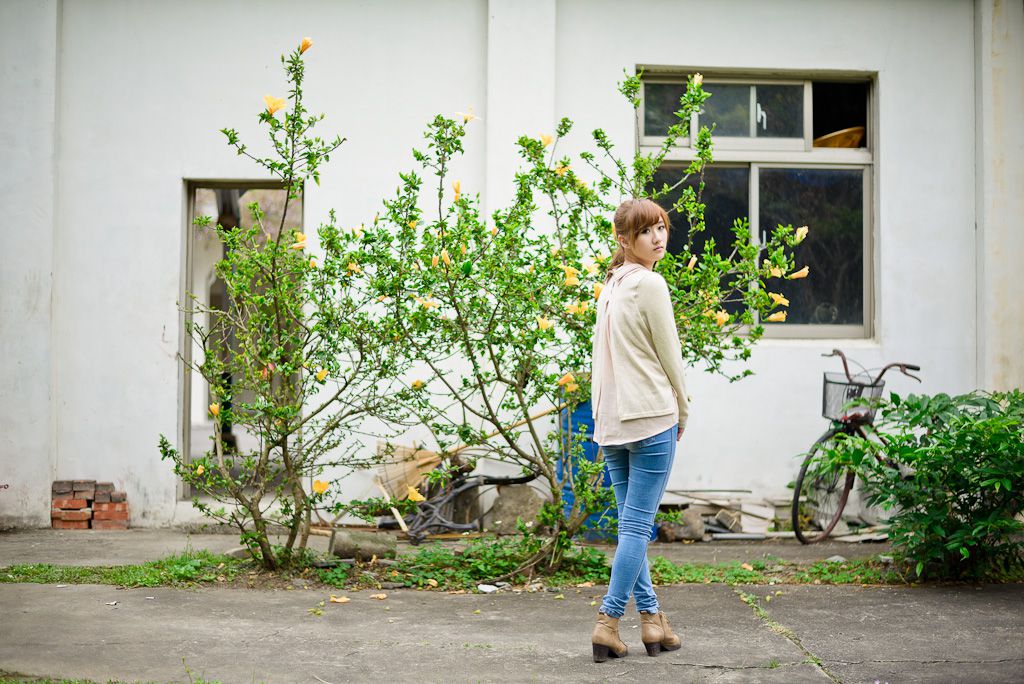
(484, 559)
(183, 569)
(459, 567)
(664, 571)
(857, 571)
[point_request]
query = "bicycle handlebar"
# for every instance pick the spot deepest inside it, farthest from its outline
(904, 368)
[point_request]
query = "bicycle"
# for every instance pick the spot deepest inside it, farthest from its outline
(826, 493)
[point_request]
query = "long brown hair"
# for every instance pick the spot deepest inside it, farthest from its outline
(631, 217)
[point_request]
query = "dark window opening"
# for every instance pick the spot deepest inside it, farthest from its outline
(840, 114)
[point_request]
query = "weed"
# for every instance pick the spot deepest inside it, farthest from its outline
(338, 576)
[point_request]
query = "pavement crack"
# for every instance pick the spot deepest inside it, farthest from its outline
(753, 601)
(712, 666)
(927, 662)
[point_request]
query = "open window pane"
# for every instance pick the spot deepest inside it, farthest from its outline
(840, 114)
(728, 108)
(661, 100)
(831, 203)
(780, 111)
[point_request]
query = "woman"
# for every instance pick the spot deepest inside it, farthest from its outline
(640, 409)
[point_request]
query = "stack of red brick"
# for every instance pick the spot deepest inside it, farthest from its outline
(85, 504)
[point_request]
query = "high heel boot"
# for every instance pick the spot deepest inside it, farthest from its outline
(656, 633)
(606, 641)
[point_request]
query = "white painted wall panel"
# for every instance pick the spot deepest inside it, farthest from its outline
(28, 61)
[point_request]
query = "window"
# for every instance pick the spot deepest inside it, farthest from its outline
(226, 204)
(787, 151)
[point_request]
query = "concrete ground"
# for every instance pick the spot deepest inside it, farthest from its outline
(820, 633)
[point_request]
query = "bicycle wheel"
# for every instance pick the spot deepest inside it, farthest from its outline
(819, 497)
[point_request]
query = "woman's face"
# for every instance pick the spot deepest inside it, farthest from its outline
(649, 245)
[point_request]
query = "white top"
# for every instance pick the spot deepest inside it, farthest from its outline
(638, 389)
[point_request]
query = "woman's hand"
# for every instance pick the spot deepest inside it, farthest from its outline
(679, 434)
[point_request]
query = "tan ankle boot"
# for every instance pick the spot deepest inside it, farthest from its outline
(606, 639)
(656, 633)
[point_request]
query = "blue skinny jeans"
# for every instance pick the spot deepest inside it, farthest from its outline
(639, 472)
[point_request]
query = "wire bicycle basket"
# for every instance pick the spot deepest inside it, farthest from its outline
(838, 391)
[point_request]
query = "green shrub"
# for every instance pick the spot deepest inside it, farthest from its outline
(956, 515)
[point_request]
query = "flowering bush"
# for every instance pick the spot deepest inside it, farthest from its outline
(294, 358)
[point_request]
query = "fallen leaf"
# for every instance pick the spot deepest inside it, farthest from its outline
(585, 584)
(339, 599)
(379, 597)
(593, 603)
(559, 597)
(747, 566)
(476, 612)
(432, 582)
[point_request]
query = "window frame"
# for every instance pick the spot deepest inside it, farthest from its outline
(758, 153)
(752, 142)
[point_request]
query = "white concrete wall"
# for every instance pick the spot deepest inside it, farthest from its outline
(746, 434)
(28, 74)
(144, 87)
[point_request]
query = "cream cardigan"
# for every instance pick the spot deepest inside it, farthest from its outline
(636, 327)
